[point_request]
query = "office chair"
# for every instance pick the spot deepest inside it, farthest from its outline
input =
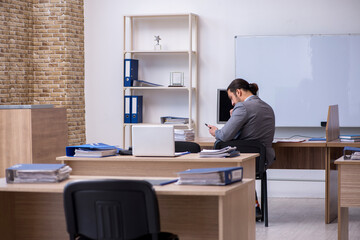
(183, 146)
(250, 146)
(112, 209)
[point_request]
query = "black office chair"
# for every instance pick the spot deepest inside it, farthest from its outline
(183, 146)
(113, 209)
(247, 146)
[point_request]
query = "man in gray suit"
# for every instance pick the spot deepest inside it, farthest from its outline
(251, 118)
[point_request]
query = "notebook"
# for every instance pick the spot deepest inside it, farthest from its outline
(153, 140)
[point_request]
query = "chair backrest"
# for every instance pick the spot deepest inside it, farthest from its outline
(111, 209)
(183, 146)
(248, 146)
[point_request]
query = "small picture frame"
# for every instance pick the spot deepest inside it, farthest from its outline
(176, 79)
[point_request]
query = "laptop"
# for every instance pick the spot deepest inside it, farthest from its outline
(153, 140)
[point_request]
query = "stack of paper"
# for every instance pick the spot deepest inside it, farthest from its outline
(210, 176)
(35, 173)
(350, 138)
(94, 153)
(219, 153)
(184, 134)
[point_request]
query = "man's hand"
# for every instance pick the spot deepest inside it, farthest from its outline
(212, 129)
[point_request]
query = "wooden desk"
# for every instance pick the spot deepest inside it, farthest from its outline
(289, 155)
(35, 211)
(348, 193)
(304, 155)
(335, 151)
(300, 155)
(155, 166)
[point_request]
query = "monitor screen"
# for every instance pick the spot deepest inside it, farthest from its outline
(223, 106)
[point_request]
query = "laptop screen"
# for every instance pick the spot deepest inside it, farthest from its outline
(153, 140)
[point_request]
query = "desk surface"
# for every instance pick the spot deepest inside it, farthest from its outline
(209, 142)
(192, 157)
(169, 189)
(347, 162)
(338, 143)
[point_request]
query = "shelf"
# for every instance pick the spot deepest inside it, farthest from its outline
(178, 124)
(162, 15)
(158, 88)
(160, 52)
(178, 54)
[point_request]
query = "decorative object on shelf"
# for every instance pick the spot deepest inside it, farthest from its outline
(176, 79)
(157, 46)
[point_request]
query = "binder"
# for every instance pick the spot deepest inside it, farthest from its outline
(351, 153)
(127, 109)
(136, 109)
(70, 150)
(130, 71)
(37, 173)
(211, 176)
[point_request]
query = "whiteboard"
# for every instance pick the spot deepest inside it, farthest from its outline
(301, 75)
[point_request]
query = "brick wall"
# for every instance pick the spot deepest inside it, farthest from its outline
(15, 54)
(42, 57)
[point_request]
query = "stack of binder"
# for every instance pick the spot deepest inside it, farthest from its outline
(37, 173)
(211, 176)
(133, 109)
(91, 150)
(184, 134)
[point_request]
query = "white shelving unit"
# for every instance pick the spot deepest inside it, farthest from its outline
(178, 33)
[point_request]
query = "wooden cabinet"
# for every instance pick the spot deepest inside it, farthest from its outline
(31, 136)
(178, 53)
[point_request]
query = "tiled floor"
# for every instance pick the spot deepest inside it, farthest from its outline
(303, 219)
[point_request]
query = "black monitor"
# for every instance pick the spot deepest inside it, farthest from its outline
(223, 106)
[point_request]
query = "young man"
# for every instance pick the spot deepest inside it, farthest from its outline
(251, 118)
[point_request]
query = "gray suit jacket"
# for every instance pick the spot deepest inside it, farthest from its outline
(251, 120)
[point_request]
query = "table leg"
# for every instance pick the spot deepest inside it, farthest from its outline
(331, 184)
(343, 223)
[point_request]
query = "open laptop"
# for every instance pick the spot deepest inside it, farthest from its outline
(153, 140)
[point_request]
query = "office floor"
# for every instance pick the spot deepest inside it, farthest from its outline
(303, 219)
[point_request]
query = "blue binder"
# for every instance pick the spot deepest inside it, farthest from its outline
(136, 109)
(211, 176)
(130, 71)
(127, 109)
(70, 150)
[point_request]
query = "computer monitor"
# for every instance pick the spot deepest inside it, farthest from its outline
(223, 106)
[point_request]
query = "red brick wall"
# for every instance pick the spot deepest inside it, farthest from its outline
(42, 57)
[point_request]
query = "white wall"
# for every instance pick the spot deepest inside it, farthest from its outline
(219, 22)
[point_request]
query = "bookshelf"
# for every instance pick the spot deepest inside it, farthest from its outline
(178, 53)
